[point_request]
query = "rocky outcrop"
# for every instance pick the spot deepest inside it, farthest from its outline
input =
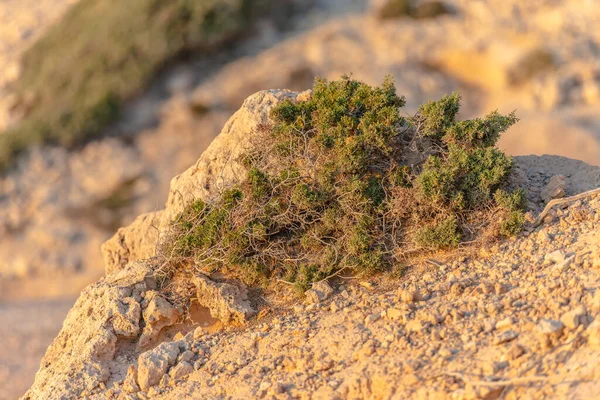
(125, 308)
(79, 361)
(108, 336)
(217, 168)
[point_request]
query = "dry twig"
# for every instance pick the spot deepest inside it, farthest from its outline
(565, 200)
(507, 382)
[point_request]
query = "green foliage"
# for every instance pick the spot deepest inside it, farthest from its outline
(76, 77)
(463, 178)
(329, 188)
(513, 201)
(479, 132)
(413, 9)
(436, 117)
(512, 224)
(469, 169)
(441, 235)
(534, 62)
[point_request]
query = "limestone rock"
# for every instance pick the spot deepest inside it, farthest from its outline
(593, 332)
(226, 302)
(126, 318)
(550, 330)
(130, 384)
(572, 319)
(153, 364)
(158, 313)
(180, 370)
(555, 189)
(320, 291)
(90, 335)
(135, 242)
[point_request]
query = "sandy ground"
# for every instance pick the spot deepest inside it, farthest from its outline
(26, 330)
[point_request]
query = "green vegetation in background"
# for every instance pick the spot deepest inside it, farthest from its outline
(329, 187)
(413, 9)
(76, 77)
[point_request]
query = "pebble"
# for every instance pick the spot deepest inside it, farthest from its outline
(572, 319)
(505, 337)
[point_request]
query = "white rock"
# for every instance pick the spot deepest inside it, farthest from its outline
(550, 328)
(180, 370)
(572, 319)
(153, 364)
(319, 292)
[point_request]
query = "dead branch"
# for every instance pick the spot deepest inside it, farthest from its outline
(507, 382)
(565, 200)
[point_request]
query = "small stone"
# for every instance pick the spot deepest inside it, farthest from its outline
(572, 319)
(298, 308)
(555, 257)
(500, 288)
(486, 288)
(505, 337)
(489, 393)
(445, 353)
(505, 323)
(130, 384)
(543, 236)
(198, 333)
(164, 381)
(187, 355)
(550, 328)
(416, 325)
(372, 318)
(410, 295)
(555, 189)
(320, 291)
(182, 369)
(153, 364)
(394, 314)
(366, 285)
(515, 351)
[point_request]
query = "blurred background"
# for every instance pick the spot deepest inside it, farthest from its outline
(102, 102)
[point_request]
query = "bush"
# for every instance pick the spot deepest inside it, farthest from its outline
(103, 52)
(329, 187)
(441, 235)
